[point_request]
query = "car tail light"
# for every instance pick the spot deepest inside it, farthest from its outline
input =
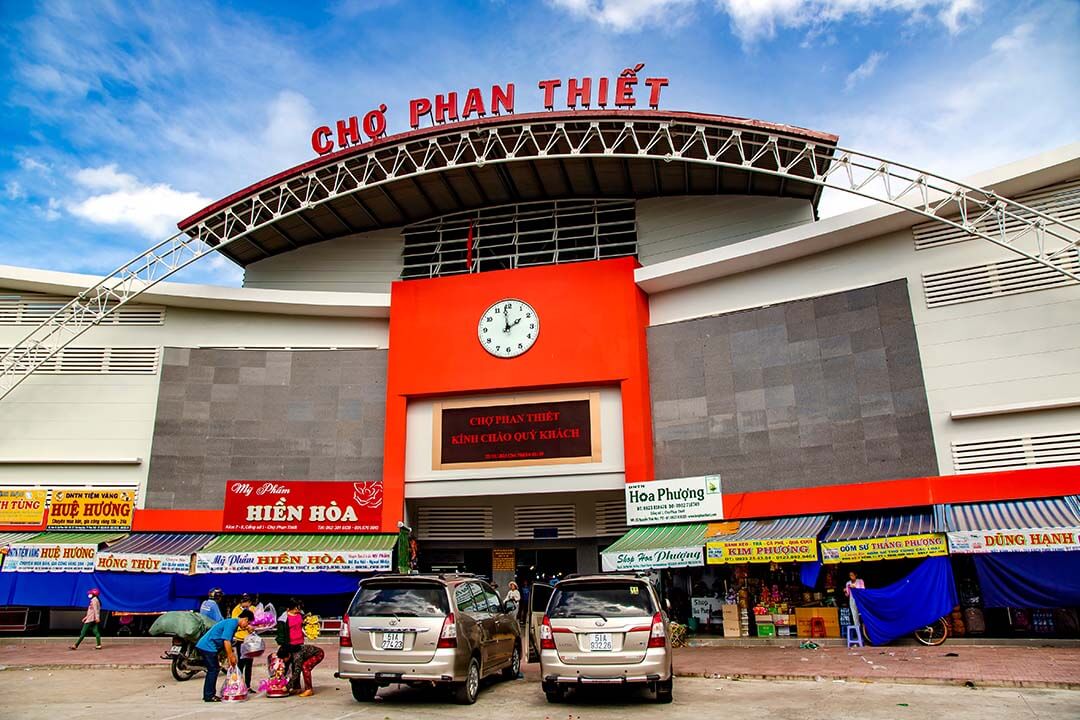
(658, 634)
(448, 636)
(344, 635)
(547, 637)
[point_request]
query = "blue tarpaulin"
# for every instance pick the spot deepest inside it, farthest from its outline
(920, 598)
(1029, 579)
(269, 583)
(132, 592)
(809, 572)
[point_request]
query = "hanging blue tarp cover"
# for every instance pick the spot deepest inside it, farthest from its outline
(267, 583)
(1029, 579)
(923, 596)
(131, 592)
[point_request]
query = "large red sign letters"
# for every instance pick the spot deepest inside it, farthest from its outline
(259, 506)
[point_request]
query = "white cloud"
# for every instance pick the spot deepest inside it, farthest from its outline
(957, 12)
(152, 210)
(13, 190)
(624, 15)
(51, 212)
(31, 165)
(1014, 40)
(864, 71)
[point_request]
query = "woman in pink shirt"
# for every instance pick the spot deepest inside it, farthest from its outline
(854, 581)
(91, 621)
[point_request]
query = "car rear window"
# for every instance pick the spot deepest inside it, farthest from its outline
(606, 600)
(402, 600)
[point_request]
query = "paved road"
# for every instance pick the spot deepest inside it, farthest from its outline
(129, 694)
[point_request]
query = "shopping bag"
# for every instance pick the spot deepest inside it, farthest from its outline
(312, 626)
(265, 617)
(252, 646)
(233, 689)
(277, 684)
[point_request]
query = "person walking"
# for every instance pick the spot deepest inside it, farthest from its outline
(92, 620)
(217, 638)
(211, 606)
(854, 581)
(245, 663)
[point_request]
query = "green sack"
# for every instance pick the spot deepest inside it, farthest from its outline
(184, 624)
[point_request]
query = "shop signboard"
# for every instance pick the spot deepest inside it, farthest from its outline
(682, 500)
(503, 560)
(50, 558)
(289, 506)
(653, 559)
(98, 509)
(761, 551)
(556, 429)
(142, 562)
(705, 608)
(1026, 540)
(306, 561)
(890, 548)
(22, 507)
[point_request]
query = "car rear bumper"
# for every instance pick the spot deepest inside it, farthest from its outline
(655, 667)
(439, 669)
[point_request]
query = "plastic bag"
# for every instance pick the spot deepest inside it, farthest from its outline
(234, 689)
(252, 646)
(312, 626)
(265, 617)
(277, 684)
(183, 624)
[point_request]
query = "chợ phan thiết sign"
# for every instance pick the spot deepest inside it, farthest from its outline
(682, 500)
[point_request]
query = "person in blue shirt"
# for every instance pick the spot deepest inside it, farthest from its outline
(217, 638)
(211, 606)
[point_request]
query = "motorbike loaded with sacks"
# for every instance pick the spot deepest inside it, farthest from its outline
(185, 627)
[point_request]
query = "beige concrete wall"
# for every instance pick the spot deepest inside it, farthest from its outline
(366, 262)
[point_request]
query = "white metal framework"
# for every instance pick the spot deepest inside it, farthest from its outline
(691, 140)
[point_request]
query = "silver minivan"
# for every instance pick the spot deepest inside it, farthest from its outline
(442, 630)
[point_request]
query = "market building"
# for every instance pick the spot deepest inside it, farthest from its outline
(458, 347)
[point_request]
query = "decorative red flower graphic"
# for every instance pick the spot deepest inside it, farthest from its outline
(368, 494)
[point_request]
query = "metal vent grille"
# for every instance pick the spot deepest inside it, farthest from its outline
(101, 361)
(1016, 452)
(1008, 277)
(36, 308)
(1059, 201)
(511, 236)
(454, 523)
(545, 521)
(611, 517)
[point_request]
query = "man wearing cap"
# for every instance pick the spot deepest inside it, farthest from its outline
(245, 663)
(92, 620)
(211, 607)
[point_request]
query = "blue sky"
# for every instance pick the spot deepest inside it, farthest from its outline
(120, 118)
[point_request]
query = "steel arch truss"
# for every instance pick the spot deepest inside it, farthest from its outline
(979, 213)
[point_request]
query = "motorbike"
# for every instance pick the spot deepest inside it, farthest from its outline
(186, 661)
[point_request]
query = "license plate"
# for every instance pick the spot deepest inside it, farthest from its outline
(173, 650)
(600, 642)
(393, 641)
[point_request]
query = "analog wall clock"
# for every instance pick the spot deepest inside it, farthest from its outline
(508, 328)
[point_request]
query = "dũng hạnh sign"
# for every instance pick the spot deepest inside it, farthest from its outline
(104, 509)
(761, 551)
(291, 506)
(1016, 540)
(24, 507)
(536, 431)
(891, 548)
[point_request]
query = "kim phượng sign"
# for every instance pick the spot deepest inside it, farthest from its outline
(683, 500)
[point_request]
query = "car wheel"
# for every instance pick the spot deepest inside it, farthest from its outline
(663, 691)
(513, 670)
(363, 691)
(465, 693)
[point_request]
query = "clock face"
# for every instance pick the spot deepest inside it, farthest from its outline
(508, 328)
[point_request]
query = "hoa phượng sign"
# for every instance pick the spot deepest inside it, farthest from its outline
(22, 507)
(719, 552)
(1026, 540)
(98, 509)
(891, 548)
(542, 430)
(258, 506)
(292, 561)
(50, 558)
(142, 562)
(653, 559)
(683, 500)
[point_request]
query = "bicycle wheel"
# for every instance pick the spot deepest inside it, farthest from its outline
(934, 633)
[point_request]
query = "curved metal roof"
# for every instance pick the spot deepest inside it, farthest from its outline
(499, 160)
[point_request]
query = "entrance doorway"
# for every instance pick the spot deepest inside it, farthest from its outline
(546, 565)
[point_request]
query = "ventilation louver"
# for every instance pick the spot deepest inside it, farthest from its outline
(101, 361)
(1016, 452)
(36, 308)
(545, 521)
(1008, 277)
(454, 523)
(610, 517)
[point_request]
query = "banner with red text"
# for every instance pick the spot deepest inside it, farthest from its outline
(291, 506)
(141, 562)
(98, 509)
(307, 561)
(50, 558)
(1026, 540)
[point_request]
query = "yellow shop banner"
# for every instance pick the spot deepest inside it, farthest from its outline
(761, 551)
(91, 509)
(892, 548)
(22, 507)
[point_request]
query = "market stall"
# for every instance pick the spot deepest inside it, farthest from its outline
(657, 546)
(761, 588)
(1022, 557)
